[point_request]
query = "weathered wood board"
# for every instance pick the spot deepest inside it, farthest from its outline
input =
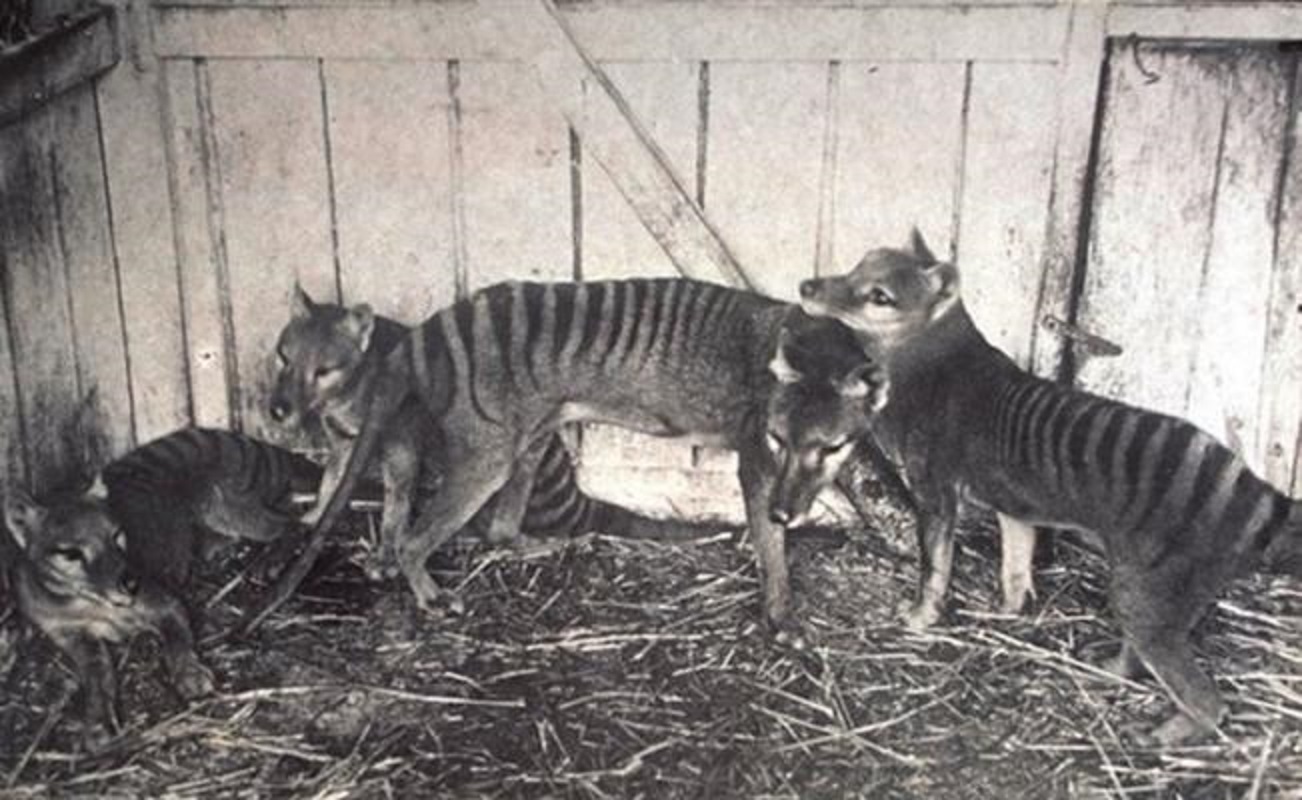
(516, 178)
(899, 156)
(1279, 398)
(393, 212)
(36, 291)
(270, 155)
(1179, 271)
(136, 171)
(200, 244)
(86, 246)
(763, 168)
(665, 98)
(1007, 173)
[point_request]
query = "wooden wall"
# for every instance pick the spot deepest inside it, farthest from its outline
(395, 153)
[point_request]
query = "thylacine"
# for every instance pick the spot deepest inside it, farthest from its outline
(73, 580)
(328, 356)
(496, 374)
(191, 491)
(1178, 513)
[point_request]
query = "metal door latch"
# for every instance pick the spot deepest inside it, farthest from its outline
(1088, 343)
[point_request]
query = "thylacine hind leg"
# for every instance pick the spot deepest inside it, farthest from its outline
(1157, 609)
(480, 471)
(507, 507)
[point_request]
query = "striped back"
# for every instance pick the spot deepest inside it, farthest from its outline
(189, 457)
(1115, 467)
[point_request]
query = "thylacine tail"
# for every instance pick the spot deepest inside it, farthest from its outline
(558, 506)
(1284, 551)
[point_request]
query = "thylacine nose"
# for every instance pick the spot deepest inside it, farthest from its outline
(809, 287)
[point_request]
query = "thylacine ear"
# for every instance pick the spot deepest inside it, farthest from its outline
(868, 382)
(779, 366)
(918, 247)
(360, 324)
(303, 305)
(944, 283)
(24, 517)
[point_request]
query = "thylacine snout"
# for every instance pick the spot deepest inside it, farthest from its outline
(826, 391)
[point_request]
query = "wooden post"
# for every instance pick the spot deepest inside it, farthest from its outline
(612, 133)
(135, 166)
(1082, 67)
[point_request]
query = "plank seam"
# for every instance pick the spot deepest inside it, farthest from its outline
(331, 200)
(117, 271)
(174, 194)
(24, 465)
(457, 179)
(702, 129)
(824, 238)
(61, 240)
(210, 155)
(576, 201)
(956, 220)
(1204, 274)
(1085, 223)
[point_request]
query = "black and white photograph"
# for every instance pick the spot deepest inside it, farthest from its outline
(651, 399)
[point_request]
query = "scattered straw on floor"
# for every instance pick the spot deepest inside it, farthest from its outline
(611, 668)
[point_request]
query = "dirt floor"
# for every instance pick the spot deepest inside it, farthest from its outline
(610, 668)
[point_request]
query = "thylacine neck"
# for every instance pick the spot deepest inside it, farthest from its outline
(952, 336)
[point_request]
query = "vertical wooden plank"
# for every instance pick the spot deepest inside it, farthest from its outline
(1280, 410)
(81, 209)
(392, 181)
(615, 242)
(1003, 210)
(13, 466)
(201, 268)
(274, 194)
(516, 167)
(762, 184)
(35, 286)
(898, 156)
(1152, 215)
(1234, 292)
(135, 156)
(1076, 117)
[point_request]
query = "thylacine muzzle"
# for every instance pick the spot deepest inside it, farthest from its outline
(827, 391)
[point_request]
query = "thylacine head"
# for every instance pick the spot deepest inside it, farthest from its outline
(826, 393)
(75, 551)
(74, 582)
(321, 352)
(890, 295)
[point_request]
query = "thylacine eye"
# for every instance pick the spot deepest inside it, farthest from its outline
(836, 447)
(120, 539)
(879, 297)
(322, 372)
(774, 442)
(281, 357)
